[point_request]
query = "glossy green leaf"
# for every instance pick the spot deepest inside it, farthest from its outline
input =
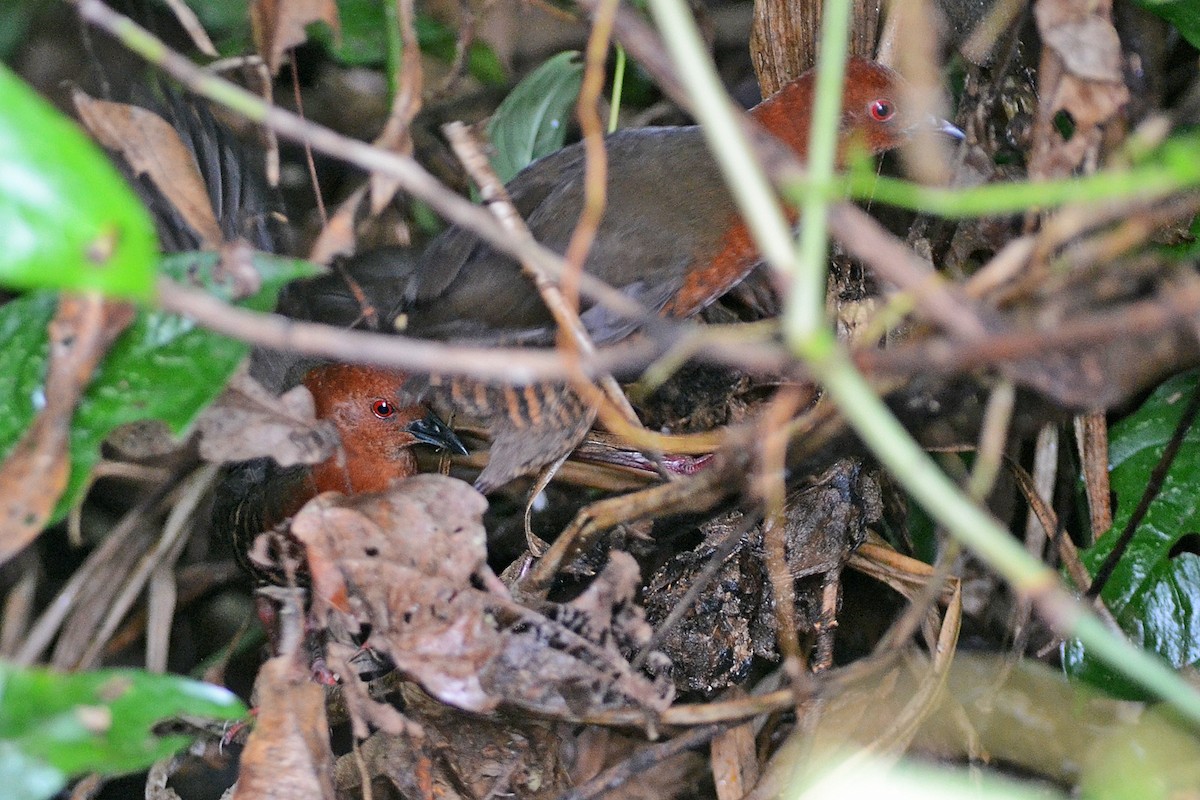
(1183, 14)
(55, 726)
(532, 121)
(67, 218)
(1154, 593)
(163, 367)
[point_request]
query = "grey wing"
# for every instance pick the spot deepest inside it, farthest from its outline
(463, 288)
(661, 181)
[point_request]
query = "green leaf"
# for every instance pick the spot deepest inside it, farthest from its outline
(163, 367)
(1154, 592)
(14, 22)
(532, 120)
(363, 43)
(67, 218)
(484, 65)
(1183, 14)
(54, 726)
(227, 22)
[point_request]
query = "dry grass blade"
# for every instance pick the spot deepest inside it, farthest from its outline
(1091, 435)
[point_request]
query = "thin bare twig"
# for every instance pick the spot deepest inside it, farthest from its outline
(770, 485)
(941, 302)
(517, 365)
(641, 761)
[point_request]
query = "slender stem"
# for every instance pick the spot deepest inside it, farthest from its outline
(804, 312)
(1144, 182)
(979, 531)
(725, 133)
(395, 47)
(614, 108)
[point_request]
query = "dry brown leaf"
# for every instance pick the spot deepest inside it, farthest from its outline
(405, 564)
(395, 138)
(278, 25)
(680, 775)
(441, 635)
(404, 761)
(496, 758)
(35, 473)
(429, 523)
(572, 660)
(287, 756)
(248, 422)
(337, 237)
(401, 562)
(1087, 44)
(464, 755)
(152, 147)
(143, 440)
(607, 612)
(1081, 74)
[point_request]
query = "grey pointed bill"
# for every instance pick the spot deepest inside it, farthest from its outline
(939, 125)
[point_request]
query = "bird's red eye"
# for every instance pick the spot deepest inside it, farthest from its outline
(383, 409)
(881, 110)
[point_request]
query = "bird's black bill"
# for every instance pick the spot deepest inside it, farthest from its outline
(433, 431)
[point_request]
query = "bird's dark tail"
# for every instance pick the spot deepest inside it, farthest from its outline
(244, 204)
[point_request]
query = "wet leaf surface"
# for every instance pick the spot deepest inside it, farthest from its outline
(67, 219)
(54, 726)
(162, 367)
(1154, 591)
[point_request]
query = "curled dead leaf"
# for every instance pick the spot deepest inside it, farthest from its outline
(248, 422)
(279, 26)
(1082, 76)
(401, 562)
(406, 565)
(152, 147)
(144, 439)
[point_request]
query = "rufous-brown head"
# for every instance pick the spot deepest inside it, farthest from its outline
(378, 428)
(873, 117)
